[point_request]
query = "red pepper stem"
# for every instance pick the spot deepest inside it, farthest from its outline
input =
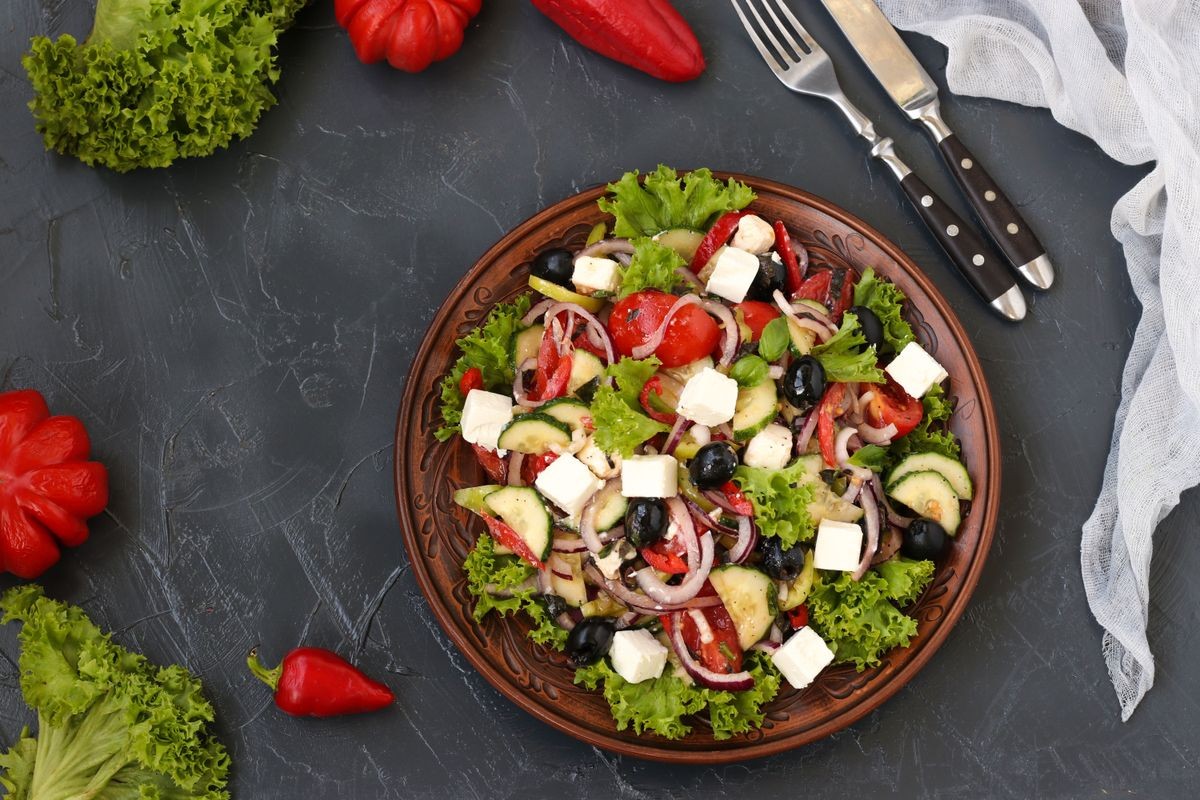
(268, 676)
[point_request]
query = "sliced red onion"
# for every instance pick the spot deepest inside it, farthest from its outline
(775, 372)
(873, 435)
(565, 621)
(730, 682)
(766, 647)
(843, 456)
(538, 309)
(515, 460)
(587, 520)
(639, 602)
(690, 277)
(806, 432)
(677, 431)
(719, 500)
(625, 620)
(606, 247)
(871, 512)
(729, 344)
(775, 635)
(543, 582)
(821, 329)
(699, 566)
(865, 398)
(747, 539)
(801, 257)
(893, 517)
(520, 393)
(650, 345)
(852, 490)
(725, 431)
(568, 544)
(594, 325)
(701, 518)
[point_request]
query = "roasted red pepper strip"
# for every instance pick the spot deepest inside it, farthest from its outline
(798, 617)
(649, 35)
(654, 386)
(723, 652)
(662, 556)
(311, 682)
(547, 362)
(815, 287)
(471, 379)
(556, 386)
(48, 488)
(783, 245)
(532, 466)
(830, 404)
(737, 501)
(716, 238)
(495, 466)
(505, 535)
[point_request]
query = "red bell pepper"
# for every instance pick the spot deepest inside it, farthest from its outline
(48, 488)
(716, 238)
(532, 466)
(506, 536)
(830, 404)
(410, 34)
(815, 287)
(495, 466)
(798, 617)
(311, 682)
(736, 500)
(654, 386)
(783, 244)
(649, 35)
(471, 379)
(556, 386)
(666, 556)
(722, 653)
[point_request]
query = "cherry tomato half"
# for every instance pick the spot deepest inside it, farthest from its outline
(756, 315)
(891, 405)
(723, 654)
(691, 334)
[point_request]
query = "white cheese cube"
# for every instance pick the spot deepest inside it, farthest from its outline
(596, 274)
(637, 656)
(915, 370)
(708, 398)
(649, 476)
(754, 234)
(771, 448)
(568, 484)
(839, 546)
(484, 415)
(733, 274)
(599, 462)
(610, 564)
(802, 657)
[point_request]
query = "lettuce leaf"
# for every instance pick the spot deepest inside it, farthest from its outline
(872, 457)
(630, 375)
(652, 267)
(620, 429)
(665, 201)
(886, 300)
(487, 347)
(489, 575)
(846, 357)
(780, 498)
(660, 705)
(859, 619)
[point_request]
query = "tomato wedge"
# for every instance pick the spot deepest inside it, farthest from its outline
(891, 405)
(716, 238)
(495, 466)
(830, 404)
(691, 334)
(756, 315)
(723, 653)
(506, 536)
(471, 379)
(532, 466)
(815, 287)
(798, 617)
(736, 500)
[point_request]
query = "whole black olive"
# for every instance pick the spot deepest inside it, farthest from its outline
(645, 521)
(804, 383)
(780, 564)
(589, 641)
(713, 465)
(872, 328)
(923, 539)
(556, 266)
(555, 605)
(770, 277)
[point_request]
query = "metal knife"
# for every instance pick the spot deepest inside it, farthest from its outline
(894, 65)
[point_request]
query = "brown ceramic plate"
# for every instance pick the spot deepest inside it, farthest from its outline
(438, 535)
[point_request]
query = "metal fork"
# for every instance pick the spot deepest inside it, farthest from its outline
(802, 65)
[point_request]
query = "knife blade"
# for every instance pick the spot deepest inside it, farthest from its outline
(910, 87)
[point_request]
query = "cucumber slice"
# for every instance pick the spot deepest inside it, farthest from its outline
(522, 509)
(584, 367)
(533, 434)
(682, 241)
(472, 497)
(568, 411)
(603, 606)
(797, 590)
(564, 295)
(802, 338)
(825, 504)
(756, 409)
(526, 344)
(610, 511)
(573, 590)
(953, 471)
(749, 597)
(930, 495)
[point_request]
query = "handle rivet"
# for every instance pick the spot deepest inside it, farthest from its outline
(927, 201)
(952, 230)
(989, 195)
(967, 163)
(977, 260)
(1012, 228)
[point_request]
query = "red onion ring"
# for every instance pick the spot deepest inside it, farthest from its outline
(605, 247)
(821, 329)
(700, 553)
(625, 620)
(766, 647)
(650, 345)
(730, 344)
(725, 430)
(775, 635)
(543, 582)
(593, 324)
(873, 435)
(565, 621)
(677, 431)
(636, 601)
(871, 511)
(520, 393)
(568, 544)
(690, 277)
(701, 518)
(893, 517)
(806, 432)
(843, 456)
(587, 519)
(747, 539)
(775, 372)
(515, 460)
(865, 398)
(536, 311)
(719, 500)
(852, 491)
(731, 682)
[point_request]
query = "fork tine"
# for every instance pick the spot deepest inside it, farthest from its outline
(776, 64)
(784, 30)
(800, 30)
(784, 54)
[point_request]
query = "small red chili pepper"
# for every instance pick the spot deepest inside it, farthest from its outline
(830, 403)
(798, 616)
(654, 386)
(471, 379)
(311, 682)
(783, 244)
(495, 466)
(716, 238)
(506, 536)
(737, 501)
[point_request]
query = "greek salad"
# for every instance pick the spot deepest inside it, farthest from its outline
(717, 460)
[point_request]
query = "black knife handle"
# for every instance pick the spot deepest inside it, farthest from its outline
(978, 262)
(998, 215)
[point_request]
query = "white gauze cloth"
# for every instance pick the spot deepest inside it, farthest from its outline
(1125, 73)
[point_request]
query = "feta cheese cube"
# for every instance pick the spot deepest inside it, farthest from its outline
(802, 657)
(637, 656)
(649, 476)
(734, 272)
(610, 564)
(708, 398)
(771, 448)
(596, 274)
(839, 546)
(600, 463)
(568, 484)
(754, 234)
(915, 370)
(484, 415)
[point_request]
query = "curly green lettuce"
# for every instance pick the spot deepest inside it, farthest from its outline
(660, 705)
(780, 498)
(157, 80)
(488, 347)
(617, 413)
(931, 434)
(664, 201)
(652, 266)
(887, 301)
(504, 584)
(860, 619)
(111, 725)
(846, 356)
